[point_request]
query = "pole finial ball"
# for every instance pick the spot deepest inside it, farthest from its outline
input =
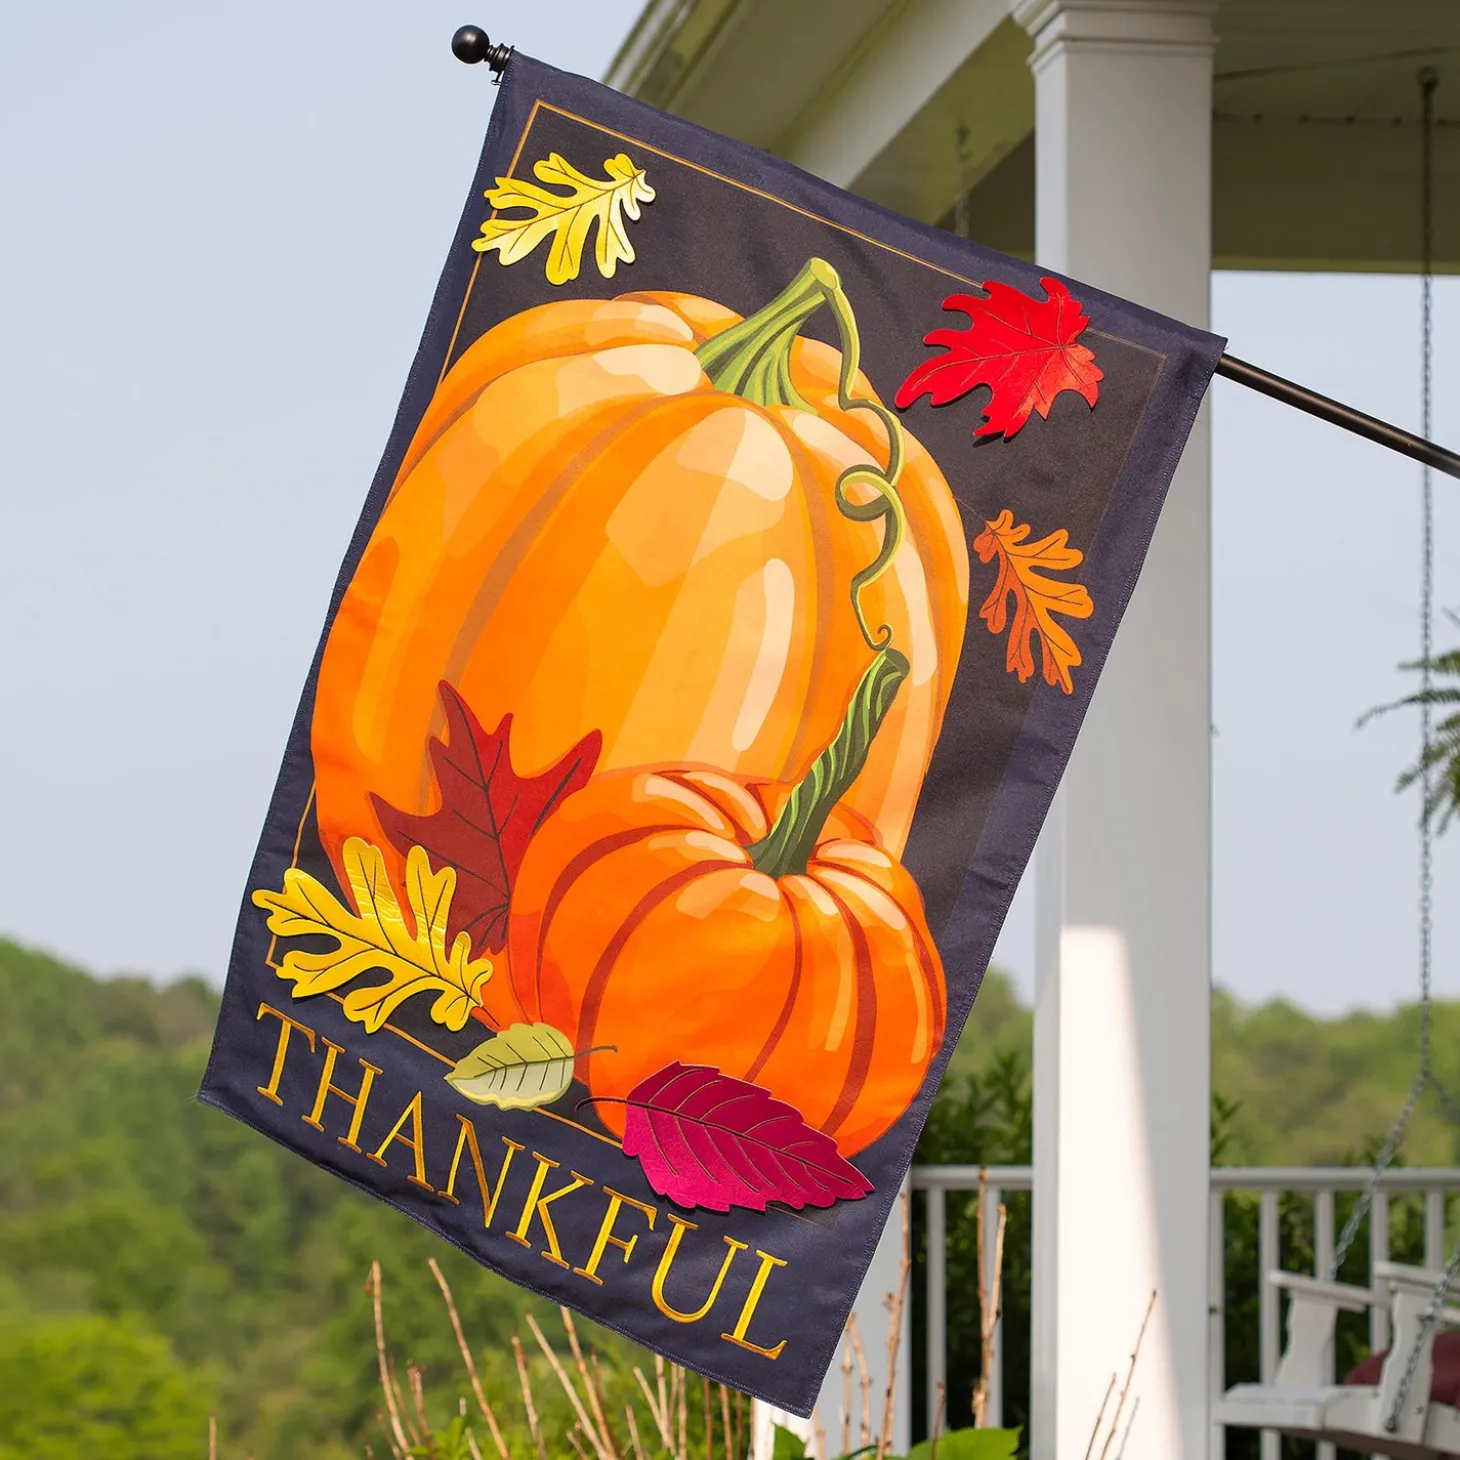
(471, 44)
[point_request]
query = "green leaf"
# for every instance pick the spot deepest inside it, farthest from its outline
(970, 1445)
(788, 1446)
(524, 1066)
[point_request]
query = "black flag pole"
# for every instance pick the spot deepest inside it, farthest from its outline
(1371, 428)
(472, 44)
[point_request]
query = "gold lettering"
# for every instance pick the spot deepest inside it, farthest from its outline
(605, 1237)
(411, 1113)
(537, 1204)
(762, 1277)
(327, 1088)
(468, 1139)
(286, 1027)
(661, 1276)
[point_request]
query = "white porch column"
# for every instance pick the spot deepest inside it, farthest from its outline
(1122, 1046)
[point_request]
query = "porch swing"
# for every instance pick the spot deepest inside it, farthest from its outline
(1405, 1402)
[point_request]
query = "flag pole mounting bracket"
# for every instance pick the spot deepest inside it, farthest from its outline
(471, 44)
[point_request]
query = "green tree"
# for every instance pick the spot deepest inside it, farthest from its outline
(88, 1385)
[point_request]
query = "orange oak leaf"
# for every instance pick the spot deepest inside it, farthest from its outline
(1037, 598)
(487, 816)
(1022, 348)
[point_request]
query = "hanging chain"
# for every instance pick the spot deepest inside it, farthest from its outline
(1382, 1163)
(1427, 83)
(1427, 1321)
(960, 205)
(1425, 1075)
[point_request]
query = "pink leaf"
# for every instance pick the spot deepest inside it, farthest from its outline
(708, 1140)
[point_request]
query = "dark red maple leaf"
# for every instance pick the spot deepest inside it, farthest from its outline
(1022, 348)
(709, 1140)
(488, 814)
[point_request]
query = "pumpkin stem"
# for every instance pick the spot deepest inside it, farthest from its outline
(787, 847)
(753, 360)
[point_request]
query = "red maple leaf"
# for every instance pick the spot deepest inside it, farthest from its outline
(1022, 348)
(488, 814)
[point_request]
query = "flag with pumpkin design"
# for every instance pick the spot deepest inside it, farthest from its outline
(714, 636)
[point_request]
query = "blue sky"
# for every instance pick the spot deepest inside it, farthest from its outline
(224, 227)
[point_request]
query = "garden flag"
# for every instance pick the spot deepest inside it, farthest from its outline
(715, 633)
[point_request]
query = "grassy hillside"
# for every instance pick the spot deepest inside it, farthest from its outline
(159, 1261)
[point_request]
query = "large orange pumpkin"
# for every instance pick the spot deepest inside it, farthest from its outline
(589, 533)
(643, 930)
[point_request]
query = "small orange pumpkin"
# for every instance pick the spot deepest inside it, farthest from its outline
(590, 533)
(641, 922)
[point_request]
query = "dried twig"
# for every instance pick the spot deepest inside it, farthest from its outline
(601, 1393)
(466, 1358)
(400, 1441)
(573, 1441)
(634, 1429)
(818, 1430)
(681, 1384)
(400, 1399)
(1125, 1438)
(847, 1388)
(602, 1441)
(1130, 1373)
(739, 1424)
(709, 1423)
(396, 1452)
(471, 1444)
(895, 1302)
(664, 1401)
(990, 1296)
(212, 1437)
(996, 1294)
(865, 1376)
(583, 1421)
(531, 1408)
(935, 1432)
(725, 1421)
(418, 1398)
(1100, 1417)
(657, 1411)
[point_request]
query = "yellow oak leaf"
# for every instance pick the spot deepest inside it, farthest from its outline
(1037, 598)
(567, 217)
(376, 937)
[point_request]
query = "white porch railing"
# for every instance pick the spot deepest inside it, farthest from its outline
(1270, 1183)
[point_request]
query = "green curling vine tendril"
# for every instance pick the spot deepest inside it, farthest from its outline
(752, 359)
(886, 507)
